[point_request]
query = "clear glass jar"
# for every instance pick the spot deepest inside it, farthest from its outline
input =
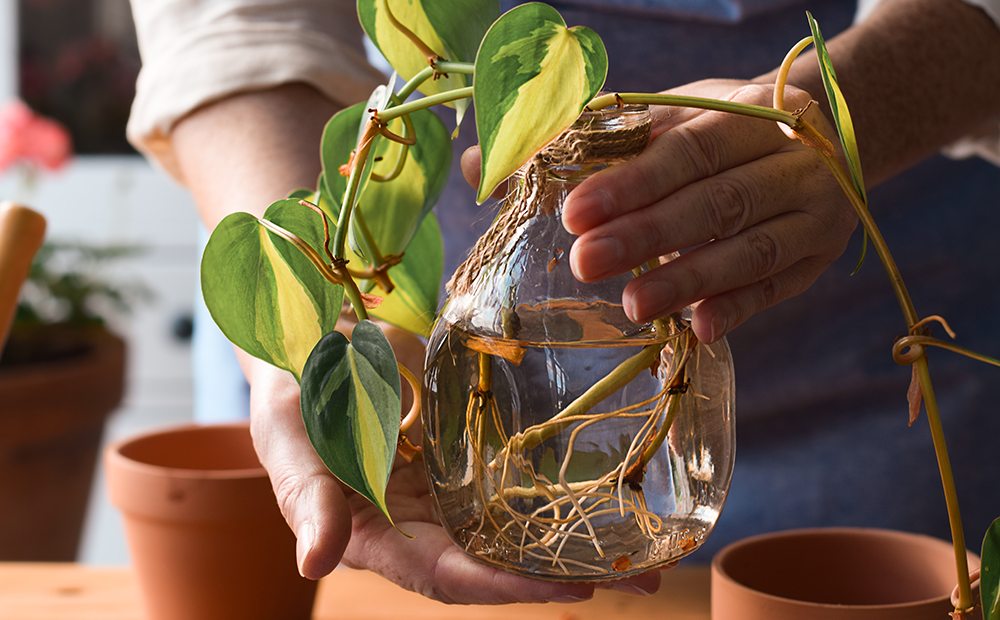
(561, 440)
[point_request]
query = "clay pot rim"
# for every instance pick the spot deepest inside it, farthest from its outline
(719, 572)
(114, 454)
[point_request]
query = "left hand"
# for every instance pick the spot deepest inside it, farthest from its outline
(756, 215)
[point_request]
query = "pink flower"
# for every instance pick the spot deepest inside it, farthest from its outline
(32, 138)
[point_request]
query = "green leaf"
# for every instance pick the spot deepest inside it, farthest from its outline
(989, 579)
(452, 30)
(841, 114)
(397, 214)
(351, 408)
(412, 305)
(265, 295)
(391, 211)
(533, 78)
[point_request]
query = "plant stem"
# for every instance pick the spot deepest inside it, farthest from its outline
(948, 482)
(676, 384)
(424, 102)
(861, 208)
(410, 87)
(441, 66)
(786, 65)
(353, 182)
(608, 385)
(450, 66)
(303, 247)
(743, 109)
(930, 403)
(353, 293)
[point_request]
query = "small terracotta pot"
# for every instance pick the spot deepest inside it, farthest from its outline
(835, 574)
(207, 539)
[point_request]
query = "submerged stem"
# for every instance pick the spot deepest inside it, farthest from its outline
(608, 385)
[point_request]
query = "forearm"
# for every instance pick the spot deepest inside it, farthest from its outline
(246, 151)
(917, 75)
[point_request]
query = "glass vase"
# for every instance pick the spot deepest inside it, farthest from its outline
(561, 440)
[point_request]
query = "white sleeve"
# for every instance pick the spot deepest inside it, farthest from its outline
(984, 142)
(198, 51)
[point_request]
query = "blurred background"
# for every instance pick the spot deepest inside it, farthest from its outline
(76, 61)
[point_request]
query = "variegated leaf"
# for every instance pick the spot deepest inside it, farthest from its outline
(265, 295)
(412, 305)
(838, 105)
(397, 214)
(451, 29)
(533, 78)
(351, 408)
(391, 211)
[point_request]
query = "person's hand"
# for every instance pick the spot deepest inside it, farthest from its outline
(333, 524)
(756, 215)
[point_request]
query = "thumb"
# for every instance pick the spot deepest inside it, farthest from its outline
(311, 499)
(470, 162)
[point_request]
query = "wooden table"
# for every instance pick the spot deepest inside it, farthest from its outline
(74, 592)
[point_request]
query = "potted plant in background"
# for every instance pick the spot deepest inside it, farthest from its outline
(275, 285)
(62, 373)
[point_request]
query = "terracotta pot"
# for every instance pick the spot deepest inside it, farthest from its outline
(52, 418)
(835, 574)
(207, 539)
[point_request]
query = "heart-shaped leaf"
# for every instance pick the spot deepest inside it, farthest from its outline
(412, 305)
(452, 30)
(351, 408)
(390, 211)
(266, 296)
(533, 78)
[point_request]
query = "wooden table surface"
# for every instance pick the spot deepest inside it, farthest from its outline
(73, 592)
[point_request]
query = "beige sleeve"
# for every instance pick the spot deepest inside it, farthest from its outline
(984, 142)
(198, 51)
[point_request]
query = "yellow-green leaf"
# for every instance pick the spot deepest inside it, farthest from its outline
(452, 29)
(351, 408)
(266, 296)
(533, 78)
(841, 113)
(412, 305)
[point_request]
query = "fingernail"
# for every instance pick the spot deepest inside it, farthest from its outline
(567, 598)
(303, 545)
(601, 256)
(585, 211)
(649, 300)
(628, 588)
(720, 325)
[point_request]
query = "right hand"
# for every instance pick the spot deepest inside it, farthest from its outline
(757, 216)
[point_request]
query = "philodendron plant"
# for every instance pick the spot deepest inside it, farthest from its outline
(276, 285)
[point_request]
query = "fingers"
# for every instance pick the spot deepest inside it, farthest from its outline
(310, 498)
(757, 216)
(470, 165)
(803, 221)
(716, 316)
(706, 145)
(430, 564)
(471, 171)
